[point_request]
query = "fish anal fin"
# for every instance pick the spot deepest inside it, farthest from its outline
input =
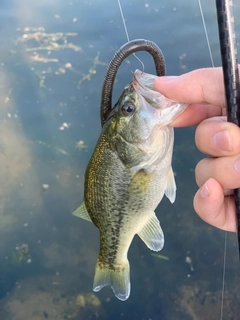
(81, 212)
(170, 191)
(115, 275)
(152, 234)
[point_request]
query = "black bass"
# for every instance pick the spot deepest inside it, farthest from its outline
(126, 178)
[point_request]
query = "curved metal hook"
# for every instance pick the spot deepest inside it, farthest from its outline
(127, 49)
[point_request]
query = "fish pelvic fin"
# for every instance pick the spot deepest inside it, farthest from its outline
(82, 212)
(152, 234)
(118, 276)
(170, 191)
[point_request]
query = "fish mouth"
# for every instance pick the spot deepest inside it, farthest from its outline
(153, 101)
(143, 84)
(144, 79)
(141, 91)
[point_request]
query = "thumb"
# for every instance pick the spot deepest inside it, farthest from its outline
(198, 86)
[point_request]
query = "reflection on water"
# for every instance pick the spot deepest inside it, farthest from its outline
(52, 60)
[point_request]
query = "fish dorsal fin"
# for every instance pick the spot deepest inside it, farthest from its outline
(152, 234)
(81, 212)
(170, 191)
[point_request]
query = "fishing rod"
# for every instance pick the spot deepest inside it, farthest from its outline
(228, 48)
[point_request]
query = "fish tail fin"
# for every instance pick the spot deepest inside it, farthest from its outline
(115, 275)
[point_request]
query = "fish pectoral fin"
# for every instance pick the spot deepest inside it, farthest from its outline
(152, 234)
(81, 212)
(170, 191)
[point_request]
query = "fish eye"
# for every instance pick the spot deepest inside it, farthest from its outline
(128, 108)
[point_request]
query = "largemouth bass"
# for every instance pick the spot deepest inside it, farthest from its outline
(126, 178)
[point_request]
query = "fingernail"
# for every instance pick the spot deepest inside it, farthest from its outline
(222, 141)
(237, 165)
(166, 78)
(204, 191)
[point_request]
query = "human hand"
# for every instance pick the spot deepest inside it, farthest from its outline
(218, 176)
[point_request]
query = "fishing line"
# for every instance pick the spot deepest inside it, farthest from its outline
(123, 20)
(225, 238)
(126, 31)
(206, 34)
